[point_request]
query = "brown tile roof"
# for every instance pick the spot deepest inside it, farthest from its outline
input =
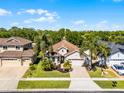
(17, 54)
(64, 43)
(11, 54)
(14, 41)
(28, 53)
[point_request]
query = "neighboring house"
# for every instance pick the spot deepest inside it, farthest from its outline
(15, 51)
(116, 55)
(65, 50)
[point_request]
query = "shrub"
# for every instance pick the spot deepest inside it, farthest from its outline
(67, 65)
(47, 65)
(32, 67)
(41, 55)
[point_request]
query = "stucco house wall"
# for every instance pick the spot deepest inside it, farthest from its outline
(116, 58)
(11, 49)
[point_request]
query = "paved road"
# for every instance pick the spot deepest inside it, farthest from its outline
(9, 77)
(80, 72)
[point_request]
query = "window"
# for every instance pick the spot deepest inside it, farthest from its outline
(17, 47)
(5, 47)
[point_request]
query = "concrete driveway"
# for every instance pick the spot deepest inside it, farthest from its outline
(9, 76)
(81, 72)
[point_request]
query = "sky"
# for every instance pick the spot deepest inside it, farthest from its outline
(55, 14)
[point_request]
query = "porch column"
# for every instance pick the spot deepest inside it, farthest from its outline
(56, 60)
(21, 62)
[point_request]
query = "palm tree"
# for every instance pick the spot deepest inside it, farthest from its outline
(104, 51)
(90, 42)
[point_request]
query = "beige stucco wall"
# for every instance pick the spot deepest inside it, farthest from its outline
(10, 49)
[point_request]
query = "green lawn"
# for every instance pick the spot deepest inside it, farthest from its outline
(43, 84)
(47, 74)
(108, 84)
(98, 72)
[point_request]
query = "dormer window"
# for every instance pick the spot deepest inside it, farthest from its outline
(17, 47)
(4, 47)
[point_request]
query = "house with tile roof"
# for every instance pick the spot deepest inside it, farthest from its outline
(16, 51)
(65, 50)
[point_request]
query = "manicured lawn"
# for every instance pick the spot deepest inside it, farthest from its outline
(98, 73)
(47, 74)
(108, 84)
(43, 84)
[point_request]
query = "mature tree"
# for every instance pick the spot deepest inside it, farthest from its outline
(90, 42)
(47, 65)
(104, 53)
(43, 42)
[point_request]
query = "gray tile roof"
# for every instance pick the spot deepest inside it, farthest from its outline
(115, 47)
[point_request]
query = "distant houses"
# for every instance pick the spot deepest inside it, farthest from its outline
(16, 51)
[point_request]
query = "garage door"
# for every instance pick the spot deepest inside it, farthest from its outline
(11, 62)
(26, 62)
(78, 62)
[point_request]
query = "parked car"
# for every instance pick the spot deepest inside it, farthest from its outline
(118, 68)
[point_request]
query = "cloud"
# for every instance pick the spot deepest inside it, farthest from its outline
(101, 24)
(4, 12)
(117, 0)
(14, 24)
(37, 12)
(33, 11)
(42, 19)
(79, 22)
(43, 15)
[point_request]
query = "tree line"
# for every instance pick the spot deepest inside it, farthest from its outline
(75, 37)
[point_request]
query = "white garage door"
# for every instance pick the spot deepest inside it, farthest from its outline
(78, 62)
(27, 62)
(11, 62)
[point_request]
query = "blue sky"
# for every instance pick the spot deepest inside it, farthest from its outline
(56, 14)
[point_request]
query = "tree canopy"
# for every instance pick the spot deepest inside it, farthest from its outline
(74, 37)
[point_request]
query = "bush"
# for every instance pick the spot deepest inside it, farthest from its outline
(40, 55)
(47, 65)
(67, 65)
(32, 67)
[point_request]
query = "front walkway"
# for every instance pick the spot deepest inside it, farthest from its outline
(80, 72)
